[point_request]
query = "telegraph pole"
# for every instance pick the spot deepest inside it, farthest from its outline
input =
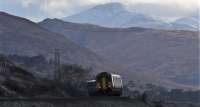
(3, 66)
(57, 67)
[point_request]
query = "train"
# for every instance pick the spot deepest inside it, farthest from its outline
(105, 84)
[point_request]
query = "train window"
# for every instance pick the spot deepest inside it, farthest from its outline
(117, 82)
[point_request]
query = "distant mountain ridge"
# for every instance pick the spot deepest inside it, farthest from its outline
(111, 15)
(192, 21)
(115, 15)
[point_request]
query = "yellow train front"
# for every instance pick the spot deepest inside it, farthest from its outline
(106, 84)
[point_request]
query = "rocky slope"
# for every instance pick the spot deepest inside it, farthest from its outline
(18, 82)
(169, 55)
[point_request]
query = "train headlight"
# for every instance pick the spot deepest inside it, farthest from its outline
(109, 85)
(98, 86)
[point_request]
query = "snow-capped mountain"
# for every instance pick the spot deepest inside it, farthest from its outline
(191, 21)
(114, 15)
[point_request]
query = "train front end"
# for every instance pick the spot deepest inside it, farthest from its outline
(107, 84)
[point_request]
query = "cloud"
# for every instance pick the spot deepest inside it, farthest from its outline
(39, 9)
(27, 3)
(162, 10)
(61, 8)
(25, 8)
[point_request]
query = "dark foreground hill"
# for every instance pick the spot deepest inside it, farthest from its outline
(16, 81)
(19, 88)
(162, 54)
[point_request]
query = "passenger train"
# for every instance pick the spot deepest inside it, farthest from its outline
(106, 84)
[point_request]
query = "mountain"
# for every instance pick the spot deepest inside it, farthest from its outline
(113, 15)
(19, 36)
(192, 21)
(161, 54)
(116, 15)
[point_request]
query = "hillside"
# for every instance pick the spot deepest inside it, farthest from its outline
(16, 81)
(161, 54)
(19, 36)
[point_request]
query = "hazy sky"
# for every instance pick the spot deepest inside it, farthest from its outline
(37, 10)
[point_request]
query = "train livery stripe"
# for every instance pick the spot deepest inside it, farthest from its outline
(104, 83)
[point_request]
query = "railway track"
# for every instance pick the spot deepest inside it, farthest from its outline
(82, 100)
(74, 99)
